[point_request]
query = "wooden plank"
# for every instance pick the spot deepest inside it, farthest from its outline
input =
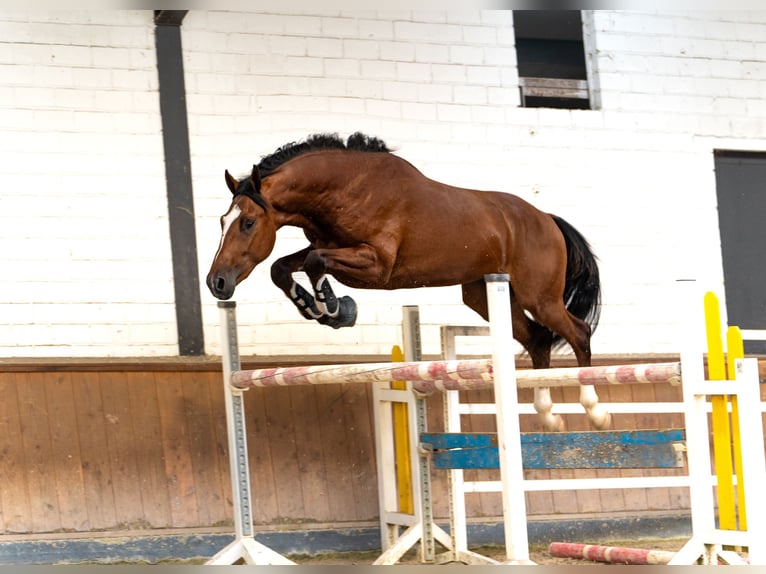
(540, 502)
(220, 452)
(594, 449)
(359, 431)
(554, 88)
(335, 452)
(66, 460)
(176, 447)
(14, 493)
(96, 470)
(147, 430)
(309, 453)
(202, 440)
(604, 449)
(38, 453)
(490, 503)
(121, 448)
(613, 500)
(281, 437)
(262, 479)
(213, 451)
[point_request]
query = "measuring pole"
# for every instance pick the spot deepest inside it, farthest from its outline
(244, 545)
(235, 419)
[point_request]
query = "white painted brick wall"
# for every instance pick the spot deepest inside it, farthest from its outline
(81, 141)
(83, 230)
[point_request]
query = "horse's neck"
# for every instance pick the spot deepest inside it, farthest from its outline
(296, 204)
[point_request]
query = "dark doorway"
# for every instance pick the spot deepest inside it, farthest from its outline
(741, 190)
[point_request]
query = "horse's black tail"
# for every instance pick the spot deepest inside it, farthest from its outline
(582, 291)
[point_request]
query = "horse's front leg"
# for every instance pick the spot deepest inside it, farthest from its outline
(324, 306)
(358, 265)
(282, 275)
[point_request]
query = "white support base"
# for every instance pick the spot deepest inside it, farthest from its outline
(708, 549)
(412, 536)
(251, 551)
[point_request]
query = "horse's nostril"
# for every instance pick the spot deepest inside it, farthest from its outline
(220, 284)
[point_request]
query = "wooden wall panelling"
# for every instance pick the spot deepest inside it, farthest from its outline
(656, 498)
(179, 469)
(335, 451)
(311, 464)
(633, 497)
(221, 449)
(96, 468)
(14, 493)
(203, 440)
(540, 502)
(148, 434)
(562, 502)
(66, 463)
(121, 447)
(615, 499)
(280, 435)
(265, 509)
(357, 408)
(38, 450)
(489, 503)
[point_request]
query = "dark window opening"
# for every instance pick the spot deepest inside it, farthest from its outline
(551, 59)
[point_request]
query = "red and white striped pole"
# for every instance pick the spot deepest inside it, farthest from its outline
(609, 554)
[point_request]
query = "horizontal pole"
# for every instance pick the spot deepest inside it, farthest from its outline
(598, 483)
(549, 450)
(428, 376)
(578, 409)
(753, 334)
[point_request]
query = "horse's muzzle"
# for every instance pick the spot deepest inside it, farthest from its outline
(220, 286)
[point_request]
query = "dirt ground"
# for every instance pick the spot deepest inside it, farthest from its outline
(538, 553)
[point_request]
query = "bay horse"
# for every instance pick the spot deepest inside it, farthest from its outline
(374, 221)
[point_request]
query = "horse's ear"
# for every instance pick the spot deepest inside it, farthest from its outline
(231, 182)
(255, 178)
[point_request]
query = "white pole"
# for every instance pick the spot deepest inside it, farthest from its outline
(455, 479)
(244, 545)
(753, 458)
(695, 405)
(235, 420)
(508, 428)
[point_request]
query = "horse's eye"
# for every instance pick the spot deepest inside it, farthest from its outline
(248, 224)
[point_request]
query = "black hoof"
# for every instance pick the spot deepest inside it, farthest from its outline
(346, 316)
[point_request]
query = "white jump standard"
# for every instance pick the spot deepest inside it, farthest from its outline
(500, 372)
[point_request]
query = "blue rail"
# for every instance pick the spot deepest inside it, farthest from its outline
(589, 449)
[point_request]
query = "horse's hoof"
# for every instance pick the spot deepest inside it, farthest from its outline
(346, 316)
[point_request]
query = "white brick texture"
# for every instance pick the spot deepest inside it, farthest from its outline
(84, 242)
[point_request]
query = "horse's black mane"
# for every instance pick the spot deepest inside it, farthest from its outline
(357, 141)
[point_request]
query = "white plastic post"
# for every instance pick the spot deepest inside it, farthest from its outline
(753, 458)
(455, 479)
(508, 428)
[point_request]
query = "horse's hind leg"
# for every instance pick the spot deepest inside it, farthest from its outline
(577, 333)
(538, 345)
(535, 339)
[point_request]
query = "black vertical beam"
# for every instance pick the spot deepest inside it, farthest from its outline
(175, 137)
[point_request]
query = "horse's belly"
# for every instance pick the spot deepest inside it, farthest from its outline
(453, 272)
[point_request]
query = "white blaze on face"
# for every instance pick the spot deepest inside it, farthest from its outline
(228, 220)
